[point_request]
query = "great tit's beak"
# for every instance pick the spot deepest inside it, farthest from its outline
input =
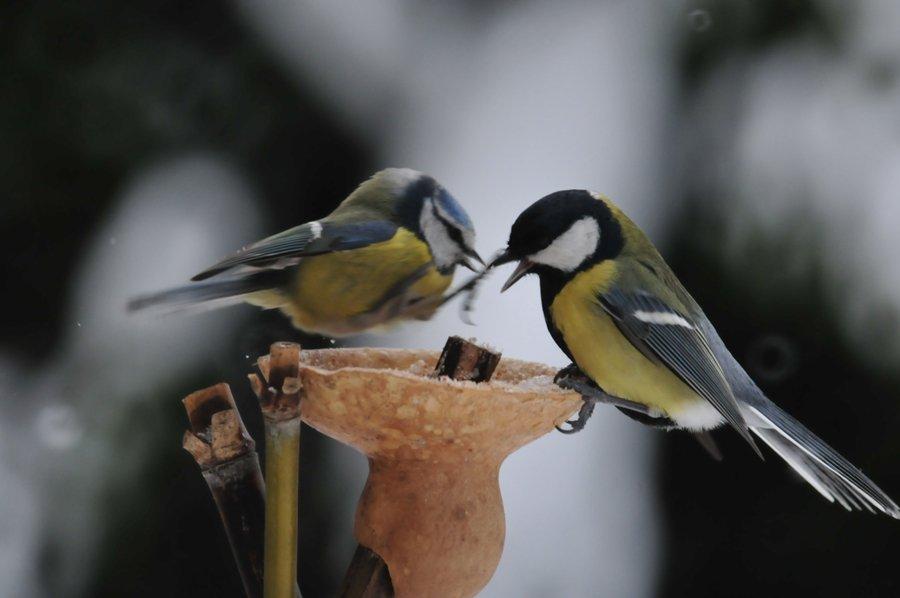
(524, 267)
(521, 270)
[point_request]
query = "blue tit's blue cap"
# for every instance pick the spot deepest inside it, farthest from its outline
(451, 208)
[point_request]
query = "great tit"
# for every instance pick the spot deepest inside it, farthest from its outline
(386, 253)
(617, 310)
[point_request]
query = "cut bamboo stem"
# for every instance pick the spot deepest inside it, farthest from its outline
(278, 390)
(219, 443)
(282, 486)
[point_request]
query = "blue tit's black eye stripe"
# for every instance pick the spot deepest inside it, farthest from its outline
(454, 232)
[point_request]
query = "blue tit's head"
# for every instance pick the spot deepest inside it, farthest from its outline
(426, 208)
(560, 234)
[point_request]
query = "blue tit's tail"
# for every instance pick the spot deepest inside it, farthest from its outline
(832, 475)
(210, 294)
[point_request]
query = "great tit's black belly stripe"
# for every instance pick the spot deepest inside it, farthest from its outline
(551, 285)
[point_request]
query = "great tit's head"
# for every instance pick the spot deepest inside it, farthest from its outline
(563, 233)
(426, 208)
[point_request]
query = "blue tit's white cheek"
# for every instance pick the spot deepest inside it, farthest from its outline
(444, 250)
(569, 250)
(468, 236)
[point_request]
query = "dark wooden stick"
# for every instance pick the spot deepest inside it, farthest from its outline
(464, 360)
(227, 457)
(368, 575)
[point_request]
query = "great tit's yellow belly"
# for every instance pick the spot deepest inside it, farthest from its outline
(342, 292)
(606, 355)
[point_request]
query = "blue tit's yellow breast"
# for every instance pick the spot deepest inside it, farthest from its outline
(332, 288)
(603, 353)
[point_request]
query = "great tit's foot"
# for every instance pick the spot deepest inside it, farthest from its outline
(584, 414)
(571, 371)
(572, 378)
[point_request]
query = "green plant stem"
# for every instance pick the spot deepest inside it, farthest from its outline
(282, 494)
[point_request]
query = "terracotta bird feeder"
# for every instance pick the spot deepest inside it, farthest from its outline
(431, 508)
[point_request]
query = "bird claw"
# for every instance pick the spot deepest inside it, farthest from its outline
(584, 414)
(569, 372)
(572, 378)
(562, 430)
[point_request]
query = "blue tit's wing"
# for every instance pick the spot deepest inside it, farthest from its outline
(671, 338)
(312, 238)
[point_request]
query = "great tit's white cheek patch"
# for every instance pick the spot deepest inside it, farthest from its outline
(570, 249)
(444, 250)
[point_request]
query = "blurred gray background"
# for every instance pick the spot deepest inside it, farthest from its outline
(757, 142)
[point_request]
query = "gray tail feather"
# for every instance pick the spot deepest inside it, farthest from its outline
(216, 294)
(821, 466)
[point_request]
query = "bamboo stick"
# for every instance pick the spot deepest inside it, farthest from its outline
(279, 390)
(219, 443)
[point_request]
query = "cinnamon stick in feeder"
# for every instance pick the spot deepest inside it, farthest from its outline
(219, 443)
(368, 575)
(464, 360)
(279, 390)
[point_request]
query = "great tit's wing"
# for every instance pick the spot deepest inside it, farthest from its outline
(672, 338)
(312, 238)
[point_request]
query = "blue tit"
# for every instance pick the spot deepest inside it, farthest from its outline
(639, 341)
(387, 253)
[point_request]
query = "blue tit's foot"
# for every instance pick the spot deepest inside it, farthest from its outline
(584, 414)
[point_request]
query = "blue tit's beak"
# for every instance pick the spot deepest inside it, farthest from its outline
(524, 267)
(474, 255)
(465, 263)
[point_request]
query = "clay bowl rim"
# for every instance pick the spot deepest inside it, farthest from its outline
(522, 386)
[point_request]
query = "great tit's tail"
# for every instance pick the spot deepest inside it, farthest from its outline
(821, 466)
(210, 295)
